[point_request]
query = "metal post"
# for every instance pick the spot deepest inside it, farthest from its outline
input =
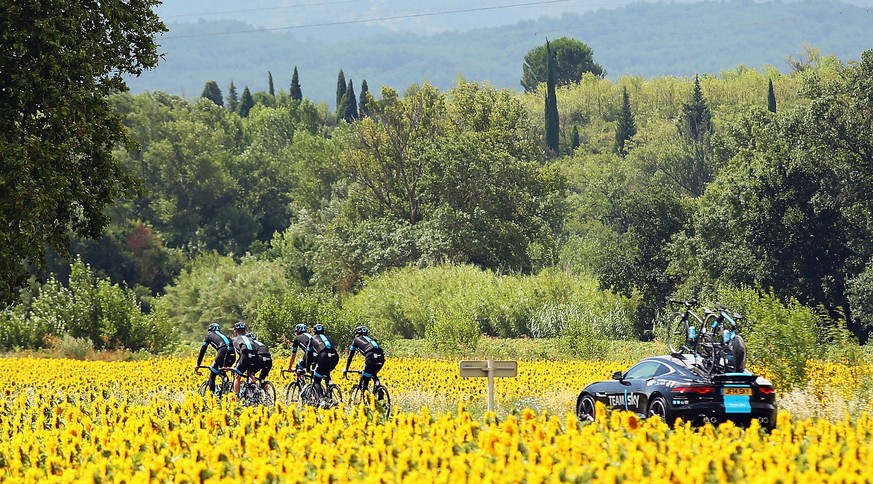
(490, 385)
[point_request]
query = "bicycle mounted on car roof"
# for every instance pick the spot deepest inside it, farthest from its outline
(713, 339)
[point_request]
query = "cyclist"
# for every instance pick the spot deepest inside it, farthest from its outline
(301, 342)
(374, 356)
(264, 356)
(225, 354)
(248, 362)
(322, 352)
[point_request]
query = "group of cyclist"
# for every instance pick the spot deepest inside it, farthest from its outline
(319, 354)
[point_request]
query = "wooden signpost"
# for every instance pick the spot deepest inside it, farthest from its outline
(490, 369)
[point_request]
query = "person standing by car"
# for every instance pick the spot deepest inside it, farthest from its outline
(374, 356)
(224, 357)
(248, 362)
(322, 352)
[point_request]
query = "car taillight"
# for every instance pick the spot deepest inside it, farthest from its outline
(766, 390)
(700, 390)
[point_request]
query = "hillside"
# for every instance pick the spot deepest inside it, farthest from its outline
(637, 39)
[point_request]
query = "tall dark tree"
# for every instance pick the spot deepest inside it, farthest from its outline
(696, 118)
(232, 98)
(57, 128)
(212, 92)
(340, 89)
(771, 98)
(296, 93)
(363, 109)
(349, 108)
(570, 60)
(270, 87)
(246, 103)
(627, 127)
(575, 141)
(551, 111)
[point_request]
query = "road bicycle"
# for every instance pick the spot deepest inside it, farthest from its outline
(378, 399)
(720, 343)
(683, 327)
(304, 392)
(223, 383)
(254, 391)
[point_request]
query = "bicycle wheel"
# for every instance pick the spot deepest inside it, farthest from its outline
(268, 397)
(677, 333)
(709, 352)
(204, 389)
(225, 388)
(292, 393)
(383, 400)
(356, 396)
(334, 395)
(309, 396)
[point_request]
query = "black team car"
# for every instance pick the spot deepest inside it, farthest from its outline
(673, 387)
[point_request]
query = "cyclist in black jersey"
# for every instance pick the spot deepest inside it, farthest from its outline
(374, 356)
(248, 357)
(225, 354)
(264, 355)
(301, 342)
(323, 353)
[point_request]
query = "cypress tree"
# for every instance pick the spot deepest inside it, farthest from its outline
(363, 109)
(349, 107)
(696, 118)
(771, 98)
(296, 93)
(551, 103)
(270, 84)
(627, 127)
(575, 143)
(246, 103)
(340, 90)
(232, 98)
(212, 92)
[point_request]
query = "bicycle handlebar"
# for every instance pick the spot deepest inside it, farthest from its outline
(687, 303)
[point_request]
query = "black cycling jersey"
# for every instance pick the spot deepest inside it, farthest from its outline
(243, 344)
(217, 340)
(366, 345)
(320, 343)
(301, 341)
(260, 347)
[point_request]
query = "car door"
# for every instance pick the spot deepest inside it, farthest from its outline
(634, 393)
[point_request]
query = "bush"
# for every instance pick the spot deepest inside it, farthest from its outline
(276, 318)
(74, 348)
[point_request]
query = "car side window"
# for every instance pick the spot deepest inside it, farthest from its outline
(645, 370)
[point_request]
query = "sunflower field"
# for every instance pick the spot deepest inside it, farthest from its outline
(92, 421)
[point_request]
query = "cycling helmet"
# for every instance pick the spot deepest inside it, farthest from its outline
(318, 329)
(252, 336)
(300, 328)
(213, 327)
(239, 326)
(361, 330)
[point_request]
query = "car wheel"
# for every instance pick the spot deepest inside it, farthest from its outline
(585, 407)
(658, 406)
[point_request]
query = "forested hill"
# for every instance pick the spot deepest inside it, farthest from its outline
(638, 39)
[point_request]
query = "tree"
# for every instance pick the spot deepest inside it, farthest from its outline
(246, 103)
(340, 89)
(349, 108)
(551, 109)
(212, 92)
(296, 93)
(232, 98)
(57, 130)
(270, 88)
(575, 140)
(627, 127)
(695, 122)
(571, 58)
(363, 110)
(771, 98)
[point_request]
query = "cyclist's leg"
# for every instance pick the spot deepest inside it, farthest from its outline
(266, 366)
(372, 366)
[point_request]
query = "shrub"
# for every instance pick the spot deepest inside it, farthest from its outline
(276, 317)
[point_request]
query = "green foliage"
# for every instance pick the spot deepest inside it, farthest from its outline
(551, 107)
(626, 128)
(277, 316)
(771, 97)
(415, 303)
(696, 119)
(216, 288)
(232, 98)
(340, 90)
(295, 92)
(57, 130)
(90, 309)
(569, 59)
(347, 110)
(246, 103)
(212, 92)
